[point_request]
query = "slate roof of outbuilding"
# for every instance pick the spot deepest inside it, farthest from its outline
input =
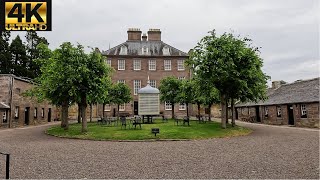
(4, 106)
(304, 91)
(135, 48)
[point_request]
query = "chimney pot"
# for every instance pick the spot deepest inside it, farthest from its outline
(276, 84)
(144, 37)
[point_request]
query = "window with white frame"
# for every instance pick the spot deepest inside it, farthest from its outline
(180, 65)
(136, 86)
(108, 61)
(122, 81)
(181, 78)
(16, 112)
(278, 111)
(42, 112)
(153, 83)
(107, 107)
(303, 111)
(4, 117)
(144, 50)
(152, 65)
(136, 64)
(182, 106)
(122, 107)
(167, 65)
(167, 106)
(266, 111)
(123, 50)
(35, 112)
(166, 51)
(121, 64)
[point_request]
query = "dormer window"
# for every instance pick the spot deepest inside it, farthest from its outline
(144, 50)
(123, 50)
(166, 51)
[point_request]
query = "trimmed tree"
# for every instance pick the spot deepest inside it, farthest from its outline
(120, 93)
(169, 91)
(219, 59)
(186, 93)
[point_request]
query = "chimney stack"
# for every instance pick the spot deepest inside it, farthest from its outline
(276, 84)
(134, 34)
(144, 37)
(154, 35)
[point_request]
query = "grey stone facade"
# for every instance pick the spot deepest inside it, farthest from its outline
(294, 104)
(17, 110)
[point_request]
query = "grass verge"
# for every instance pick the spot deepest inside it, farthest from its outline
(167, 131)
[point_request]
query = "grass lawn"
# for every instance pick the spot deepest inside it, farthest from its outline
(167, 131)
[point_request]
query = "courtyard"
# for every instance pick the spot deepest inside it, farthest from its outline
(268, 152)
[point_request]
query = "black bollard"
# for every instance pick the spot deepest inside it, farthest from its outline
(7, 166)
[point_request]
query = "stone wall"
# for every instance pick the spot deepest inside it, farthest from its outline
(23, 104)
(312, 119)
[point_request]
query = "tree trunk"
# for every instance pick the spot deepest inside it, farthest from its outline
(90, 112)
(103, 108)
(198, 111)
(187, 109)
(79, 113)
(227, 112)
(118, 111)
(83, 114)
(233, 118)
(210, 112)
(172, 111)
(64, 115)
(223, 112)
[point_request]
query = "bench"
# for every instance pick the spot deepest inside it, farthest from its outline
(186, 119)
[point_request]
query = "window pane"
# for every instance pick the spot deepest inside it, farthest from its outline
(136, 64)
(136, 86)
(121, 64)
(167, 106)
(167, 65)
(180, 65)
(153, 83)
(152, 65)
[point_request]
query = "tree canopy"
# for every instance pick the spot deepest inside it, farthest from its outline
(231, 65)
(169, 91)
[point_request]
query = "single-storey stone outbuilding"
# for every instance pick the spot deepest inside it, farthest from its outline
(17, 110)
(287, 104)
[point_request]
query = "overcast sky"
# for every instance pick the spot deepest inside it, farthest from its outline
(287, 31)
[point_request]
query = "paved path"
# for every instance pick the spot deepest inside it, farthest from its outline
(269, 152)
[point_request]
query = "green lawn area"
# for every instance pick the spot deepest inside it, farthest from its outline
(167, 131)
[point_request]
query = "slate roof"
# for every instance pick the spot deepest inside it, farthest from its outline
(304, 91)
(135, 48)
(4, 106)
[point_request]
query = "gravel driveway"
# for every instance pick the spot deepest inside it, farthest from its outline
(269, 152)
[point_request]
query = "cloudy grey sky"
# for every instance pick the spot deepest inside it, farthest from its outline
(287, 30)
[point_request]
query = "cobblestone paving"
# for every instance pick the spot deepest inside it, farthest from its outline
(269, 152)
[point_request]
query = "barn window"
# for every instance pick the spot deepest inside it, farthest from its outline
(278, 111)
(303, 111)
(16, 112)
(4, 117)
(266, 111)
(122, 107)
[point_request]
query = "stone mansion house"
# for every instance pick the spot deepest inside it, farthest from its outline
(141, 56)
